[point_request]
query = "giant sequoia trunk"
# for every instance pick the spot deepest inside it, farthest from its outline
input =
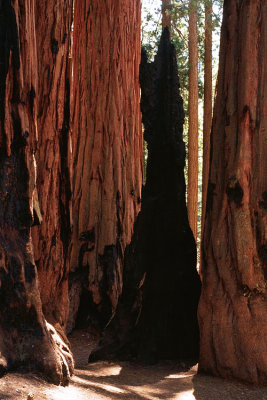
(51, 238)
(157, 312)
(192, 187)
(233, 306)
(207, 108)
(107, 152)
(25, 337)
(166, 18)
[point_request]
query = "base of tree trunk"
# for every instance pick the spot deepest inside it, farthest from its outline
(26, 340)
(48, 355)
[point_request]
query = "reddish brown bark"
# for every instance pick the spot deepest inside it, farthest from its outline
(51, 239)
(233, 307)
(25, 337)
(192, 189)
(166, 18)
(207, 108)
(107, 149)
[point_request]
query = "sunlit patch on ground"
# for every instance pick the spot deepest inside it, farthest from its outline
(101, 369)
(187, 395)
(180, 376)
(70, 393)
(108, 388)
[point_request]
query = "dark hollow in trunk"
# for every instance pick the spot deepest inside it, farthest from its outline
(157, 312)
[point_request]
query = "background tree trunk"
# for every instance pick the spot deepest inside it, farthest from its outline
(166, 19)
(25, 337)
(107, 151)
(51, 239)
(233, 307)
(192, 189)
(207, 108)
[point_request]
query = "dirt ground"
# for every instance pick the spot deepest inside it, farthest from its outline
(126, 381)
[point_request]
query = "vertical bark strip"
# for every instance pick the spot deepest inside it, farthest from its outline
(107, 148)
(207, 108)
(166, 18)
(192, 190)
(51, 239)
(233, 306)
(25, 337)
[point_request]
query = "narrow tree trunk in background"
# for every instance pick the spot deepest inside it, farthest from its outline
(233, 307)
(192, 188)
(51, 239)
(166, 19)
(25, 337)
(107, 151)
(207, 107)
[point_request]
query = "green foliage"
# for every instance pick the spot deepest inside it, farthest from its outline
(151, 31)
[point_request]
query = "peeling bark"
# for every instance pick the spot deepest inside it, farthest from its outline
(107, 149)
(233, 306)
(25, 337)
(157, 312)
(51, 239)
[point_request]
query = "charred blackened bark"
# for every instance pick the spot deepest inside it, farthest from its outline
(51, 239)
(26, 339)
(107, 151)
(233, 305)
(8, 43)
(157, 313)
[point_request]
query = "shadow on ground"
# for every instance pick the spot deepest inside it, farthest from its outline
(128, 381)
(167, 380)
(131, 381)
(212, 388)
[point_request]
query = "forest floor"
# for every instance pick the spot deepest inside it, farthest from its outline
(126, 381)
